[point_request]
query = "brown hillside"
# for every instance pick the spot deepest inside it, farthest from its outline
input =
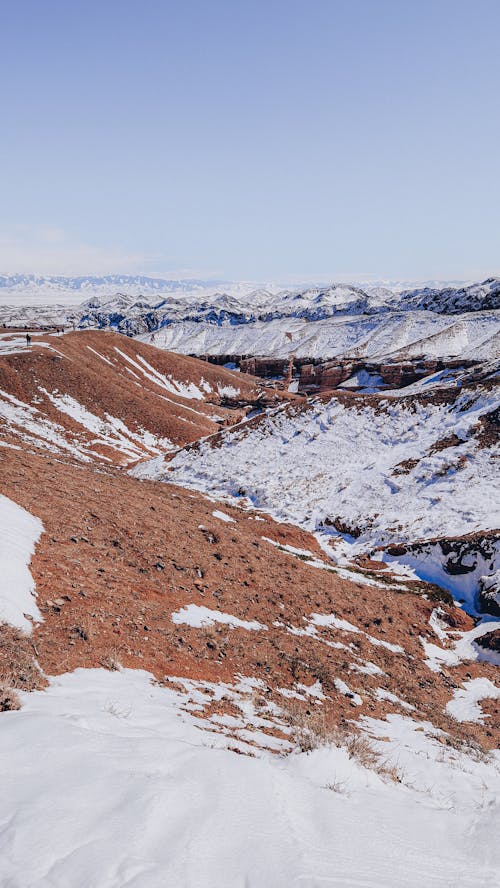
(141, 400)
(119, 556)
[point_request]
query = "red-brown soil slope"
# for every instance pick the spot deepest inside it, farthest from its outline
(119, 557)
(114, 399)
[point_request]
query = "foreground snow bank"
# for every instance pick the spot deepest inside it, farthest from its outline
(19, 533)
(108, 781)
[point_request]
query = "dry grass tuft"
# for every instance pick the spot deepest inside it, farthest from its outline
(110, 663)
(312, 731)
(18, 667)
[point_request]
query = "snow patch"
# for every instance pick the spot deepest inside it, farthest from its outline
(19, 533)
(464, 707)
(223, 517)
(197, 616)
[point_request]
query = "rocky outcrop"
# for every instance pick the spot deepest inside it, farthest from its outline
(469, 565)
(489, 594)
(490, 641)
(321, 376)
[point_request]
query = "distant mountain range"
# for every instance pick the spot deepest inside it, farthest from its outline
(21, 288)
(198, 317)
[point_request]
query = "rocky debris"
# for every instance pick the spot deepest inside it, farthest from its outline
(489, 429)
(9, 700)
(342, 526)
(18, 666)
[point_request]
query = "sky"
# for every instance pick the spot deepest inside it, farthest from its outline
(263, 140)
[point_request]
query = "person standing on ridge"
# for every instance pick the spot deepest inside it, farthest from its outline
(28, 339)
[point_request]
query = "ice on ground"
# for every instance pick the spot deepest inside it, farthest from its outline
(197, 616)
(19, 533)
(464, 707)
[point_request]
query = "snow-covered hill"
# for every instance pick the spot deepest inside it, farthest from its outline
(382, 336)
(319, 323)
(103, 397)
(199, 317)
(33, 289)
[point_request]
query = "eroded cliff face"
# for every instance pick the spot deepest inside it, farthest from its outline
(317, 376)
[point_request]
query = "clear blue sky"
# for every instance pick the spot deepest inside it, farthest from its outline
(272, 139)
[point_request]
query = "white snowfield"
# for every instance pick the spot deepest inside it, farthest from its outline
(311, 465)
(377, 337)
(108, 782)
(19, 534)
